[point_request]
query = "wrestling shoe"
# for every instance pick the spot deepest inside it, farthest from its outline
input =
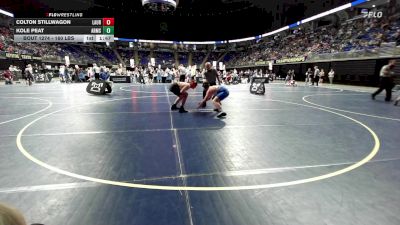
(222, 114)
(182, 110)
(173, 107)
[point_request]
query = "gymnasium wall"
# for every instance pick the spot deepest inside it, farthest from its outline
(355, 72)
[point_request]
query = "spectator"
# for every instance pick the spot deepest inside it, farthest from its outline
(8, 77)
(308, 76)
(331, 75)
(321, 76)
(316, 76)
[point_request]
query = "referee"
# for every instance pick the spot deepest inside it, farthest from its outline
(211, 77)
(182, 73)
(386, 83)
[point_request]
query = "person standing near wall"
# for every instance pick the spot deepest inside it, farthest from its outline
(316, 76)
(386, 82)
(96, 69)
(308, 76)
(182, 73)
(321, 76)
(8, 77)
(159, 75)
(151, 74)
(141, 75)
(29, 74)
(164, 75)
(287, 78)
(331, 75)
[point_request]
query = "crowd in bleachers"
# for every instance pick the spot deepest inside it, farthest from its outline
(109, 55)
(353, 35)
(214, 56)
(356, 34)
(92, 53)
(198, 57)
(183, 58)
(126, 54)
(144, 57)
(164, 58)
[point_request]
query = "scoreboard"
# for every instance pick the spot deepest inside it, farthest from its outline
(63, 29)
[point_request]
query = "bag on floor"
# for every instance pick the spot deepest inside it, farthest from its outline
(97, 87)
(257, 85)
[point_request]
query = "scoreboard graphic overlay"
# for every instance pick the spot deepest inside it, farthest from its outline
(63, 29)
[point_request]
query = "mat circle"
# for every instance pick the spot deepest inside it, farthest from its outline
(372, 153)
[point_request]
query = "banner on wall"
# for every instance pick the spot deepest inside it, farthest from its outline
(9, 55)
(26, 57)
(290, 60)
(12, 55)
(261, 63)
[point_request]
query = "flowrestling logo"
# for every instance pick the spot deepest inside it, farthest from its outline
(96, 87)
(372, 14)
